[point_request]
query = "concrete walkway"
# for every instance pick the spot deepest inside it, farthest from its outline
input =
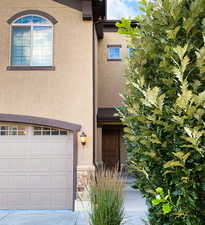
(135, 210)
(135, 207)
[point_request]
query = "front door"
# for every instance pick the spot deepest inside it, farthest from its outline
(111, 147)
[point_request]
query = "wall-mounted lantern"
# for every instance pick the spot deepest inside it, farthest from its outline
(83, 138)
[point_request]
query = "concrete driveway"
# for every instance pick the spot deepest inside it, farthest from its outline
(41, 217)
(135, 211)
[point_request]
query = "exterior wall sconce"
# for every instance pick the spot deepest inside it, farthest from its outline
(83, 138)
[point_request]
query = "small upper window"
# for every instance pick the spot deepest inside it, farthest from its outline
(114, 53)
(44, 131)
(12, 131)
(32, 41)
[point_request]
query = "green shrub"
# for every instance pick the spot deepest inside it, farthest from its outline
(105, 194)
(164, 109)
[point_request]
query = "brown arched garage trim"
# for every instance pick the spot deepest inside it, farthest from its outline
(39, 121)
(34, 12)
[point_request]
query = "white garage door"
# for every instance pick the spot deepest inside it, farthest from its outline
(36, 168)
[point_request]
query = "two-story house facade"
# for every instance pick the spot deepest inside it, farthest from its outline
(61, 69)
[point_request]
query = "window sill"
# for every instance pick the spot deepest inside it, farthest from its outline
(114, 60)
(31, 68)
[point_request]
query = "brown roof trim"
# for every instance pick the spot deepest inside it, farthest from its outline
(75, 4)
(102, 26)
(35, 12)
(99, 10)
(87, 10)
(99, 29)
(39, 121)
(110, 25)
(107, 115)
(110, 29)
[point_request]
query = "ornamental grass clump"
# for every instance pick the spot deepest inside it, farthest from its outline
(105, 189)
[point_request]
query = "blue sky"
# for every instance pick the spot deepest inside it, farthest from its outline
(122, 8)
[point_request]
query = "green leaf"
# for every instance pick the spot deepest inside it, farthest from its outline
(160, 190)
(173, 164)
(181, 51)
(156, 201)
(167, 208)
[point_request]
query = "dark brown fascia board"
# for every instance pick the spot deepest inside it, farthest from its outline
(99, 10)
(107, 115)
(35, 12)
(41, 121)
(87, 10)
(110, 25)
(75, 4)
(83, 5)
(99, 29)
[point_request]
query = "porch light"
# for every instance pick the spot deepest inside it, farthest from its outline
(83, 138)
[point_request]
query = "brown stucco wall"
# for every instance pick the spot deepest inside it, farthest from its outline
(64, 94)
(110, 73)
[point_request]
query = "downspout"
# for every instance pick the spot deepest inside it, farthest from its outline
(94, 97)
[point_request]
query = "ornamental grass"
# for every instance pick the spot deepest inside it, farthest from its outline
(105, 189)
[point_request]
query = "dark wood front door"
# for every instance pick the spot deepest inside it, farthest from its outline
(111, 148)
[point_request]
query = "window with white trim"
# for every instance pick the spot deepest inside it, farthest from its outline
(11, 131)
(44, 131)
(32, 41)
(114, 53)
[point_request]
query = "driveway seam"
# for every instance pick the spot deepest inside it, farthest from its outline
(4, 217)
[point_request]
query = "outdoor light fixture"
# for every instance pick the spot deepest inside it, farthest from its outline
(83, 138)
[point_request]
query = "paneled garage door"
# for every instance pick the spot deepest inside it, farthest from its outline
(36, 168)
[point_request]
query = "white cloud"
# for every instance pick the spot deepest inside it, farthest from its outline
(120, 8)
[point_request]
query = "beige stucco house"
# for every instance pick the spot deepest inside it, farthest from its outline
(61, 66)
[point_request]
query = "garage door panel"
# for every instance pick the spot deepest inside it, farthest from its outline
(39, 181)
(39, 164)
(9, 149)
(52, 150)
(17, 200)
(36, 172)
(40, 199)
(18, 181)
(59, 200)
(3, 200)
(4, 181)
(10, 164)
(18, 164)
(61, 164)
(63, 181)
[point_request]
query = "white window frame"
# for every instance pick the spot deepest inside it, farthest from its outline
(41, 131)
(108, 53)
(9, 131)
(31, 25)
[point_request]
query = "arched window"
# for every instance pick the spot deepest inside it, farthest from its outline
(32, 41)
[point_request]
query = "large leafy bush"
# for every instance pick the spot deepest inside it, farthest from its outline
(164, 109)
